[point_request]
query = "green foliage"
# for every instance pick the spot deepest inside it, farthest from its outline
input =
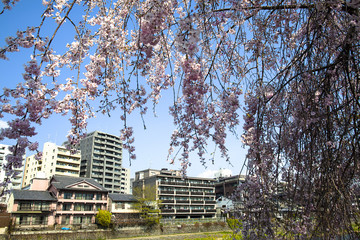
(148, 205)
(236, 226)
(103, 217)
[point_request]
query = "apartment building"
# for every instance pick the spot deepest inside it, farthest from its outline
(55, 160)
(17, 179)
(101, 159)
(181, 197)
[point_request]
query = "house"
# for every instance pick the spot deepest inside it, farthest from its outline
(62, 200)
(122, 206)
(78, 199)
(31, 208)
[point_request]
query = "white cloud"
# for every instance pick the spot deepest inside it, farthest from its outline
(216, 173)
(3, 124)
(207, 174)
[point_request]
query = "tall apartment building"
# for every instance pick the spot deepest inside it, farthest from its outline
(55, 160)
(15, 181)
(189, 197)
(101, 159)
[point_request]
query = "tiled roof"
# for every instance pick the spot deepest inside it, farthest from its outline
(33, 195)
(117, 197)
(63, 182)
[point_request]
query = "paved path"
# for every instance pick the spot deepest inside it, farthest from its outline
(215, 235)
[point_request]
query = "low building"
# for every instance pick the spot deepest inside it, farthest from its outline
(31, 208)
(225, 187)
(180, 197)
(78, 199)
(62, 200)
(122, 207)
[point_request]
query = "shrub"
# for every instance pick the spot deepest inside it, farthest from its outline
(207, 224)
(103, 217)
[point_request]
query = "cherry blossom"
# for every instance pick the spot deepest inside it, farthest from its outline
(289, 69)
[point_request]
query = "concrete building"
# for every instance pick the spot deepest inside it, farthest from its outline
(101, 159)
(15, 181)
(225, 187)
(189, 197)
(55, 160)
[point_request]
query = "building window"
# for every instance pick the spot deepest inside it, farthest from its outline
(68, 195)
(65, 220)
(98, 196)
(66, 207)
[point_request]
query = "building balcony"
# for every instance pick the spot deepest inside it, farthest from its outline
(167, 201)
(202, 185)
(209, 193)
(210, 210)
(174, 183)
(197, 202)
(166, 192)
(182, 193)
(182, 210)
(67, 167)
(210, 202)
(167, 211)
(182, 201)
(34, 209)
(197, 193)
(197, 210)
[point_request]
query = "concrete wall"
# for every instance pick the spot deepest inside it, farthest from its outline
(117, 233)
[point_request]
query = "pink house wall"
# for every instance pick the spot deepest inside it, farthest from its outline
(39, 184)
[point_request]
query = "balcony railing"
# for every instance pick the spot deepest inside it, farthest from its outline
(210, 210)
(202, 185)
(197, 210)
(197, 202)
(182, 201)
(43, 209)
(197, 193)
(182, 192)
(174, 183)
(167, 210)
(166, 192)
(167, 201)
(210, 202)
(182, 210)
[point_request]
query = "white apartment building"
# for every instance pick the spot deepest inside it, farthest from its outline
(15, 181)
(55, 160)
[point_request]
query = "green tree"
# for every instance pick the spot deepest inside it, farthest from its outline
(103, 217)
(236, 226)
(148, 205)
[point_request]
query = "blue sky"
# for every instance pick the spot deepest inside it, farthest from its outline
(151, 144)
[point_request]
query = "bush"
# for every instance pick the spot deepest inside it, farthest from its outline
(236, 226)
(103, 217)
(207, 224)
